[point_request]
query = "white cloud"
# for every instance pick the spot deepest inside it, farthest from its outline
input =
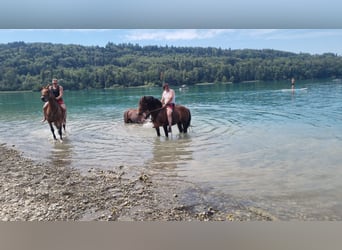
(260, 32)
(172, 35)
(292, 34)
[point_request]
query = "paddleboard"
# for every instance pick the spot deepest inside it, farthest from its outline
(300, 89)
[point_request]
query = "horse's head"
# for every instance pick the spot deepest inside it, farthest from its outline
(148, 104)
(143, 107)
(45, 94)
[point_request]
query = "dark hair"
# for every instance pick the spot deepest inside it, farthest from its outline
(165, 85)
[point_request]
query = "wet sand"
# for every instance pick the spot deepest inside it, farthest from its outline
(32, 191)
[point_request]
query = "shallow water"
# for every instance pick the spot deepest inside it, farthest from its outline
(257, 142)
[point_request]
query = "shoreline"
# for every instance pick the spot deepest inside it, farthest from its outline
(32, 191)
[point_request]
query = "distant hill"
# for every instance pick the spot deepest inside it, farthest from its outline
(28, 66)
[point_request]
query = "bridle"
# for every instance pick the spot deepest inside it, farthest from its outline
(46, 95)
(152, 111)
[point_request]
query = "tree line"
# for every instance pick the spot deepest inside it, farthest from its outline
(28, 66)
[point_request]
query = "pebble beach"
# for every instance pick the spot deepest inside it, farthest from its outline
(33, 191)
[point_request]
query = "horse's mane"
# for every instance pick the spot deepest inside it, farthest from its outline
(50, 95)
(46, 86)
(152, 101)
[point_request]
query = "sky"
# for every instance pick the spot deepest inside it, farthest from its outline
(313, 41)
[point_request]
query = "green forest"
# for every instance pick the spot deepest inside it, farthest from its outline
(28, 66)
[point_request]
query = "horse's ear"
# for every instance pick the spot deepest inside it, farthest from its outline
(141, 100)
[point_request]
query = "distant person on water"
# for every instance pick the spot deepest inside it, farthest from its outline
(168, 100)
(57, 91)
(293, 83)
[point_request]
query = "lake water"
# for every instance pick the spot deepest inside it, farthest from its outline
(257, 143)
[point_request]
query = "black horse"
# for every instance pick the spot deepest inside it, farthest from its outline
(153, 106)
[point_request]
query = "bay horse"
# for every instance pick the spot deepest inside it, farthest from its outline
(133, 116)
(153, 106)
(54, 113)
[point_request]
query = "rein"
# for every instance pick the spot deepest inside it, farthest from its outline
(51, 96)
(155, 110)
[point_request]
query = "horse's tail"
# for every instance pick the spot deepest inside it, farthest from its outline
(189, 120)
(64, 118)
(126, 116)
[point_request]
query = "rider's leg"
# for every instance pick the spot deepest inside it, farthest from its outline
(169, 117)
(44, 111)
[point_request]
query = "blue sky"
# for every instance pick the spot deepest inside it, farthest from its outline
(313, 41)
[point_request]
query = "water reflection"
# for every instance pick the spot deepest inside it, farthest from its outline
(170, 154)
(61, 154)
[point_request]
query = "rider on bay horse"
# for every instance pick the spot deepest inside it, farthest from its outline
(57, 91)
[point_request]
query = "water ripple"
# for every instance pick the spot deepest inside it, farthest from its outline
(272, 149)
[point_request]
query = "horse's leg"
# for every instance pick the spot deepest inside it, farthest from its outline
(60, 132)
(185, 127)
(179, 124)
(158, 131)
(166, 130)
(53, 131)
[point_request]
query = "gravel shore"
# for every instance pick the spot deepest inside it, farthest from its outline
(32, 191)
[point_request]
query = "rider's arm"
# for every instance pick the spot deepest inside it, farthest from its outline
(60, 92)
(162, 99)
